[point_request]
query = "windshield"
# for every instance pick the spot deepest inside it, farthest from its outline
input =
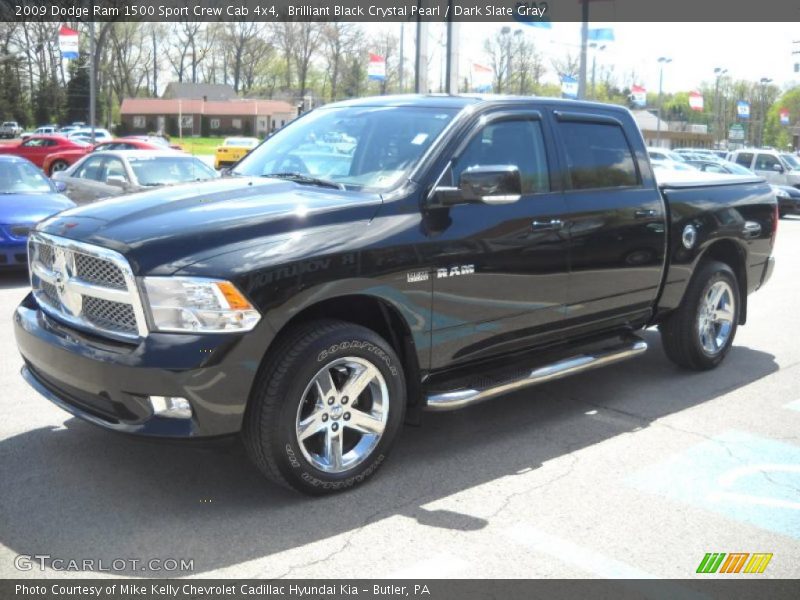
(791, 160)
(737, 169)
(163, 170)
(361, 147)
(22, 178)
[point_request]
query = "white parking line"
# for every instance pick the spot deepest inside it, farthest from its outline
(436, 566)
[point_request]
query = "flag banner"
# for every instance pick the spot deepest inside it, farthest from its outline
(569, 87)
(696, 101)
(482, 78)
(639, 96)
(68, 42)
(784, 114)
(743, 109)
(376, 69)
(602, 34)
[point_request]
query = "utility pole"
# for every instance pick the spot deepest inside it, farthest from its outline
(662, 60)
(584, 43)
(718, 73)
(92, 79)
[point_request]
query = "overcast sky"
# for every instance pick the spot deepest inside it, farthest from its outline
(748, 50)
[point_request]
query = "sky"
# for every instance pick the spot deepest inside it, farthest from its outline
(747, 50)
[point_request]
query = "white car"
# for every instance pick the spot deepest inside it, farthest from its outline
(672, 165)
(779, 168)
(663, 154)
(85, 134)
(44, 130)
(116, 172)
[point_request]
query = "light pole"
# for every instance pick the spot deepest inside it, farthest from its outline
(662, 60)
(595, 49)
(718, 72)
(764, 81)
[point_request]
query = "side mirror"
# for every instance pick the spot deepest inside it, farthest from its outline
(492, 184)
(60, 186)
(777, 168)
(117, 181)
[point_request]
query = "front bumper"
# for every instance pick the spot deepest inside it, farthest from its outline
(13, 253)
(789, 206)
(109, 383)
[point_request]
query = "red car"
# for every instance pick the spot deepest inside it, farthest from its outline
(58, 161)
(37, 147)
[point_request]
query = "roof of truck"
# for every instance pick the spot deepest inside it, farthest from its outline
(460, 101)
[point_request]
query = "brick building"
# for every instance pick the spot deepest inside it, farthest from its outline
(203, 117)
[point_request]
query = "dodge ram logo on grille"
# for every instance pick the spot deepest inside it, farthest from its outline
(63, 268)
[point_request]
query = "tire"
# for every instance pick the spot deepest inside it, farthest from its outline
(287, 401)
(58, 165)
(695, 338)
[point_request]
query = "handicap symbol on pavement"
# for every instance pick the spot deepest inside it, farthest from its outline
(738, 475)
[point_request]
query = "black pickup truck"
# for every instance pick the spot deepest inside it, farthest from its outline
(380, 257)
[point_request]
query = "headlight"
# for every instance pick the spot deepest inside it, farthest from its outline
(196, 304)
(780, 192)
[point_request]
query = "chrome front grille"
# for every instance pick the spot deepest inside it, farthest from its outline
(86, 286)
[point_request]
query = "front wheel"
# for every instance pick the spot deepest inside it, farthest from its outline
(58, 165)
(326, 408)
(700, 332)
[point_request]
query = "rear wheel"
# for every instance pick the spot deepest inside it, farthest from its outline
(58, 165)
(700, 332)
(326, 408)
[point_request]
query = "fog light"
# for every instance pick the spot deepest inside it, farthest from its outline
(171, 406)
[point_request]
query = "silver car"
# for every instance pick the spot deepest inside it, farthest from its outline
(116, 172)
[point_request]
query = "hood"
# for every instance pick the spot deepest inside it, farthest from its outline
(31, 208)
(171, 225)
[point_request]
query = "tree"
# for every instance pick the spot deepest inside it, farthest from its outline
(77, 108)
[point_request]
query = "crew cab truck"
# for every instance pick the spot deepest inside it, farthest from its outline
(320, 296)
(10, 129)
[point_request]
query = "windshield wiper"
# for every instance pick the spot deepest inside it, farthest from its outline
(300, 178)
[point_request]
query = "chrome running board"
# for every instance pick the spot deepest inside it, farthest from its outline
(455, 399)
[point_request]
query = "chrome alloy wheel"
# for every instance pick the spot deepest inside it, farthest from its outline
(342, 414)
(715, 318)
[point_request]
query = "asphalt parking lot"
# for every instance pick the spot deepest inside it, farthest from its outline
(637, 470)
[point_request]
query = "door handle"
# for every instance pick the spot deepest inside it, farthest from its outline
(551, 225)
(645, 214)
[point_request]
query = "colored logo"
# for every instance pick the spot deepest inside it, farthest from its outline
(735, 562)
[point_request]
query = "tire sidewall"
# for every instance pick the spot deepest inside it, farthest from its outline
(717, 275)
(357, 342)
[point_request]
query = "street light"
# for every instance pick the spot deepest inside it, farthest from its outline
(718, 72)
(662, 60)
(764, 81)
(596, 48)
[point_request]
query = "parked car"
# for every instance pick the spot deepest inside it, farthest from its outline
(697, 153)
(26, 197)
(85, 134)
(780, 168)
(37, 147)
(788, 199)
(656, 153)
(719, 166)
(673, 165)
(155, 139)
(314, 311)
(58, 161)
(116, 172)
(10, 129)
(232, 150)
(43, 130)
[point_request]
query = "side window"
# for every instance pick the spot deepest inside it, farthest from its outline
(598, 155)
(90, 169)
(744, 159)
(514, 142)
(115, 168)
(34, 143)
(766, 162)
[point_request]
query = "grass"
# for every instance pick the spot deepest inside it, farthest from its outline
(198, 145)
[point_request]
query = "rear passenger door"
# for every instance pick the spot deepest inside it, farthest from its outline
(616, 222)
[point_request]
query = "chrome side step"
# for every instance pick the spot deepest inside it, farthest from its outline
(455, 399)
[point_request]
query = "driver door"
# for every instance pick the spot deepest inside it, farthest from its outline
(500, 271)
